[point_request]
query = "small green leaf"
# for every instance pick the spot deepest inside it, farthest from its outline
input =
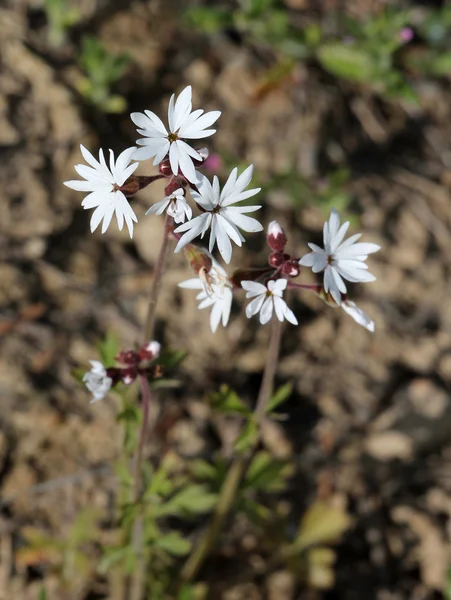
(348, 62)
(248, 437)
(173, 543)
(282, 394)
(108, 349)
(191, 500)
(42, 595)
(114, 104)
(227, 401)
(266, 473)
(203, 470)
(321, 524)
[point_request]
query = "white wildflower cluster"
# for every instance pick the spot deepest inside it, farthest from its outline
(222, 215)
(221, 211)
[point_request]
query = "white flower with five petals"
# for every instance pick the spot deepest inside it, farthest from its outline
(175, 205)
(339, 260)
(104, 184)
(220, 213)
(266, 299)
(184, 124)
(97, 381)
(216, 292)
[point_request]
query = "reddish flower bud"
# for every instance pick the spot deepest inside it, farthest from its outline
(291, 268)
(165, 168)
(149, 351)
(129, 375)
(276, 238)
(114, 374)
(127, 357)
(276, 259)
(136, 183)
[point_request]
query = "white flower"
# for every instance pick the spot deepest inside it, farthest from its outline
(104, 184)
(183, 124)
(267, 298)
(216, 291)
(339, 260)
(223, 218)
(97, 381)
(358, 315)
(177, 207)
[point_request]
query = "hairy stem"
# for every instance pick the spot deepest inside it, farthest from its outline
(149, 328)
(239, 466)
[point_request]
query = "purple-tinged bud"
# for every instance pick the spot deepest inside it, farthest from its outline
(165, 168)
(149, 351)
(129, 375)
(136, 183)
(213, 163)
(276, 259)
(291, 268)
(276, 237)
(204, 153)
(174, 184)
(127, 357)
(114, 374)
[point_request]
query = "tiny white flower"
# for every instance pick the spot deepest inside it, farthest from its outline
(216, 291)
(104, 184)
(183, 124)
(224, 219)
(266, 299)
(97, 381)
(358, 315)
(339, 260)
(176, 205)
(154, 348)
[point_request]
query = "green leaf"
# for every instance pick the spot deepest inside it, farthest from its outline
(173, 543)
(42, 594)
(122, 556)
(191, 500)
(282, 394)
(108, 349)
(348, 62)
(321, 524)
(114, 104)
(169, 359)
(203, 470)
(228, 402)
(266, 473)
(248, 437)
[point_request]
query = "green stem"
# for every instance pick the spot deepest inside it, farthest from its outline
(239, 466)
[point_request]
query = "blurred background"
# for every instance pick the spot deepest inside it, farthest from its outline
(337, 103)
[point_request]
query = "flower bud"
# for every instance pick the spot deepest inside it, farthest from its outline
(127, 357)
(129, 375)
(276, 237)
(165, 168)
(198, 258)
(149, 351)
(137, 182)
(291, 268)
(276, 259)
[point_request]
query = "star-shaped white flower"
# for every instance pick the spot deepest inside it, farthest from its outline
(104, 184)
(97, 381)
(266, 299)
(216, 291)
(176, 205)
(358, 315)
(220, 215)
(183, 124)
(339, 260)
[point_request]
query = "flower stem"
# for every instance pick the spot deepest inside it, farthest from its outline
(239, 466)
(149, 328)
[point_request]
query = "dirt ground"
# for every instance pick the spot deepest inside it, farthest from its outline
(370, 417)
